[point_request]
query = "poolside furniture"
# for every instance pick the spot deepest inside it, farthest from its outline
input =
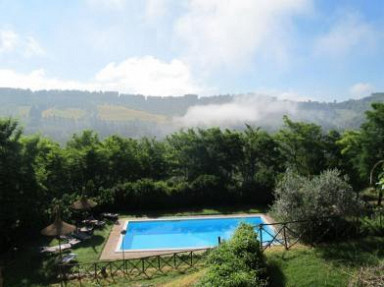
(58, 228)
(54, 249)
(74, 241)
(68, 258)
(86, 229)
(94, 223)
(71, 240)
(110, 216)
(80, 235)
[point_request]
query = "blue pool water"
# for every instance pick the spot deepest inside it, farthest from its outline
(185, 233)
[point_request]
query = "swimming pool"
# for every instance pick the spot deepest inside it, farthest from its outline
(189, 233)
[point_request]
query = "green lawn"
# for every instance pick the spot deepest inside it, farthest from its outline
(29, 268)
(327, 265)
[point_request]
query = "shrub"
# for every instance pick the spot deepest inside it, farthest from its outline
(373, 224)
(323, 196)
(238, 262)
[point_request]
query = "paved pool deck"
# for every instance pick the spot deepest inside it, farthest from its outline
(109, 252)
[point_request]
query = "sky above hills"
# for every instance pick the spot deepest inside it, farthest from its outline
(296, 49)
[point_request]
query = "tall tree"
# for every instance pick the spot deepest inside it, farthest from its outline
(302, 145)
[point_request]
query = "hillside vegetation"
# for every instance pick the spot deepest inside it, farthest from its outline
(59, 114)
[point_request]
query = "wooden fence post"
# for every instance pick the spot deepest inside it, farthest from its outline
(285, 237)
(191, 258)
(95, 269)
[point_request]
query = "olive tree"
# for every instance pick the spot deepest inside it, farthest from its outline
(328, 197)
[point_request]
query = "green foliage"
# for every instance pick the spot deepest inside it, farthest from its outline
(302, 145)
(303, 198)
(238, 262)
(374, 223)
(328, 194)
(189, 168)
(362, 149)
(327, 265)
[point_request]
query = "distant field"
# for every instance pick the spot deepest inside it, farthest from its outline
(24, 111)
(119, 113)
(70, 113)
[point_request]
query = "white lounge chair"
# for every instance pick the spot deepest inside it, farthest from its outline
(54, 249)
(68, 258)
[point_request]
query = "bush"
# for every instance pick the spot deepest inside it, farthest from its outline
(238, 262)
(323, 196)
(373, 224)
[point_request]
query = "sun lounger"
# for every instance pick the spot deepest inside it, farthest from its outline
(82, 236)
(70, 239)
(54, 249)
(94, 223)
(88, 230)
(74, 241)
(111, 216)
(68, 258)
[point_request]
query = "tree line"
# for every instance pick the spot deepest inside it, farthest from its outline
(189, 168)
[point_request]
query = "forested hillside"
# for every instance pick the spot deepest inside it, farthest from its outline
(189, 168)
(58, 114)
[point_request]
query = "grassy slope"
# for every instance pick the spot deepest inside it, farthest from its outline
(68, 113)
(327, 265)
(120, 113)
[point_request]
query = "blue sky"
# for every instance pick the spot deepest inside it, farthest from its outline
(296, 49)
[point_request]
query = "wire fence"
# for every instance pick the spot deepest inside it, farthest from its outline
(316, 230)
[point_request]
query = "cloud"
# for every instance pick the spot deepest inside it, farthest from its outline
(38, 80)
(348, 33)
(361, 90)
(11, 42)
(147, 75)
(292, 96)
(228, 33)
(243, 109)
(155, 9)
(8, 41)
(33, 48)
(110, 4)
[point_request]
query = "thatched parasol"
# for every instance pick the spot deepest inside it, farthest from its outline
(83, 204)
(58, 228)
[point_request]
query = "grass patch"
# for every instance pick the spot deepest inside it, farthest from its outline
(23, 111)
(69, 113)
(326, 265)
(185, 278)
(119, 113)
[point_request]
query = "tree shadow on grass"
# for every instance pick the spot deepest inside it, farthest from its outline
(355, 253)
(93, 242)
(29, 267)
(276, 276)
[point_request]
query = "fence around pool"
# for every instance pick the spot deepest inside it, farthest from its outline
(284, 234)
